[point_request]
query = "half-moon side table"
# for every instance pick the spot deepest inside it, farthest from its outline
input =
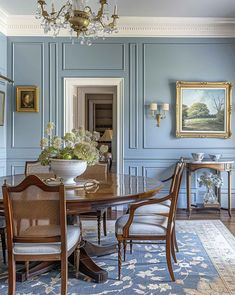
(113, 190)
(219, 167)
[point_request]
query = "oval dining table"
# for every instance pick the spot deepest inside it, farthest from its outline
(108, 191)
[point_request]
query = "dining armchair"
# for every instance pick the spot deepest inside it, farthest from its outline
(163, 207)
(98, 172)
(37, 229)
(150, 226)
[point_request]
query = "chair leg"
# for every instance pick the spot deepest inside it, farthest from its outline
(64, 274)
(4, 247)
(131, 247)
(124, 250)
(98, 227)
(168, 257)
(104, 224)
(173, 248)
(11, 275)
(77, 261)
(175, 240)
(119, 259)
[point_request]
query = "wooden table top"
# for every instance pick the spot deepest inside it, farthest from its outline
(113, 190)
(216, 165)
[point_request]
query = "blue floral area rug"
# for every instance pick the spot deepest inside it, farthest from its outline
(206, 266)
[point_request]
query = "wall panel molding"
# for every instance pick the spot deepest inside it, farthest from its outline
(209, 44)
(134, 96)
(2, 152)
(133, 171)
(17, 169)
(2, 170)
(53, 83)
(40, 84)
(99, 56)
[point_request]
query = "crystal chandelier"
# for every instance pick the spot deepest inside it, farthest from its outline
(77, 17)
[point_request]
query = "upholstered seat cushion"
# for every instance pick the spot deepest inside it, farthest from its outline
(143, 225)
(73, 236)
(159, 208)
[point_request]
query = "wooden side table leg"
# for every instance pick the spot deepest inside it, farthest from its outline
(229, 193)
(189, 179)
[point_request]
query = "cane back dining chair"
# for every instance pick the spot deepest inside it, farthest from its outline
(97, 172)
(163, 207)
(31, 167)
(36, 168)
(36, 228)
(150, 227)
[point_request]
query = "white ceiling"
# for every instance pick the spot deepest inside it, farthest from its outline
(145, 8)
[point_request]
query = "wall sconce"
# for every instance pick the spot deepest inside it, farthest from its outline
(158, 112)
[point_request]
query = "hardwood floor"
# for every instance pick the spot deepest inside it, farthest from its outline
(182, 215)
(222, 215)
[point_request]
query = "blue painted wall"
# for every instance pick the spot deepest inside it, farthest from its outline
(3, 71)
(150, 68)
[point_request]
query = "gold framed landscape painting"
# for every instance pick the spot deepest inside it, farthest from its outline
(27, 99)
(203, 109)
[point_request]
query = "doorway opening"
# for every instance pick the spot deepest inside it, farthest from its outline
(96, 104)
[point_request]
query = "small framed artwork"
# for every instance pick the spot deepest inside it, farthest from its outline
(203, 109)
(27, 99)
(2, 107)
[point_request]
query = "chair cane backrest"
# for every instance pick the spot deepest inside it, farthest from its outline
(98, 171)
(179, 169)
(176, 170)
(35, 212)
(36, 168)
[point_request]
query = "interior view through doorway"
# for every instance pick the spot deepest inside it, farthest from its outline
(95, 108)
(97, 104)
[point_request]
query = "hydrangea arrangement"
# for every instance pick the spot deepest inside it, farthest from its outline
(79, 144)
(210, 180)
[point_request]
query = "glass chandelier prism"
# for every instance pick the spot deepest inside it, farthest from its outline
(77, 16)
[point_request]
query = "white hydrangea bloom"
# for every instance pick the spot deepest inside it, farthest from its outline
(104, 149)
(57, 142)
(44, 142)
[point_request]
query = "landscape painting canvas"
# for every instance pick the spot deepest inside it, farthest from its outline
(203, 109)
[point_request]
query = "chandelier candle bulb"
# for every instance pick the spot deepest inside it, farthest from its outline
(52, 7)
(115, 10)
(74, 5)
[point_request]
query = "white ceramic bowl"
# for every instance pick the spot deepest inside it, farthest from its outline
(68, 169)
(198, 157)
(215, 157)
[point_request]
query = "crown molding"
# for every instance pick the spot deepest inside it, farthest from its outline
(27, 25)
